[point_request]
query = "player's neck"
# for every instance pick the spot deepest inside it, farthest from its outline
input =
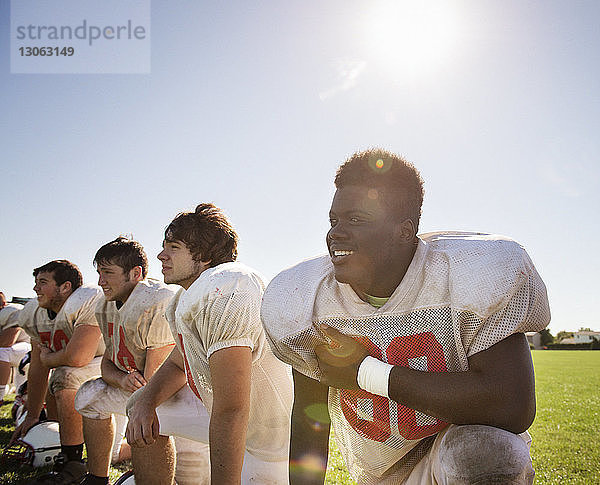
(385, 282)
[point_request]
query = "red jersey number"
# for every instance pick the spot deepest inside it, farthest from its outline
(123, 356)
(56, 342)
(376, 424)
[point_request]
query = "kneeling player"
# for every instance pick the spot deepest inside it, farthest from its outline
(137, 338)
(14, 345)
(65, 338)
(407, 334)
(221, 347)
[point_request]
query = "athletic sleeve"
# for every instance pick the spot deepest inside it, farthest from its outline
(157, 332)
(527, 310)
(12, 320)
(26, 320)
(81, 310)
(233, 321)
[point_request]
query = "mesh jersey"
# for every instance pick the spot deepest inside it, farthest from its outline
(222, 309)
(55, 333)
(9, 317)
(139, 324)
(461, 294)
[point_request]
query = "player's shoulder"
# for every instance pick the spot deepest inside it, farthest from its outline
(288, 301)
(300, 278)
(12, 307)
(481, 271)
(9, 313)
(476, 253)
(84, 295)
(472, 245)
(153, 290)
(227, 278)
(29, 308)
(28, 315)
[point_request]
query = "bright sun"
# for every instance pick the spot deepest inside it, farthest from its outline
(412, 37)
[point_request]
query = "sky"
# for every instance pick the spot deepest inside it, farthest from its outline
(254, 105)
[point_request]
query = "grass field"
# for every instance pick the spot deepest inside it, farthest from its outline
(566, 447)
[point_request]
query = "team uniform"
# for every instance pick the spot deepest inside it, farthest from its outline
(9, 318)
(462, 293)
(221, 309)
(55, 330)
(128, 332)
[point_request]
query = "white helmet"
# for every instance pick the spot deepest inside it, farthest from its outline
(126, 479)
(38, 447)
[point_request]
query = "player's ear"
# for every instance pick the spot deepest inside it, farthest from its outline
(66, 288)
(406, 231)
(136, 273)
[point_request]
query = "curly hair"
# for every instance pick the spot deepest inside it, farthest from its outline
(398, 181)
(207, 234)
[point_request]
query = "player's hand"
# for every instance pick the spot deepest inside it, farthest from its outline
(22, 429)
(339, 360)
(132, 382)
(142, 428)
(44, 353)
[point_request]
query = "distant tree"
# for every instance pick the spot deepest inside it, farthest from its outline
(546, 337)
(563, 334)
(586, 329)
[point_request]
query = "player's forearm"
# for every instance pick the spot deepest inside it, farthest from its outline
(165, 382)
(37, 384)
(306, 441)
(54, 359)
(155, 358)
(497, 390)
(227, 436)
(111, 374)
(309, 431)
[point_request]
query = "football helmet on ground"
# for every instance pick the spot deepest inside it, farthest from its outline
(38, 447)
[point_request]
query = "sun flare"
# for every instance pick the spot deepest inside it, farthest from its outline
(413, 37)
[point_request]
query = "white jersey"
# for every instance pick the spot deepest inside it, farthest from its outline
(221, 309)
(461, 294)
(9, 318)
(140, 324)
(56, 332)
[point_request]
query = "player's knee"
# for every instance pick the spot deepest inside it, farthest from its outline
(87, 398)
(475, 454)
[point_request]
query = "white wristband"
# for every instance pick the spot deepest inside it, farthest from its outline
(374, 376)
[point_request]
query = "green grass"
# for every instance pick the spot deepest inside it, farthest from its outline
(565, 449)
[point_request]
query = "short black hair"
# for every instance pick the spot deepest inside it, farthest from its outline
(207, 234)
(125, 253)
(398, 180)
(62, 271)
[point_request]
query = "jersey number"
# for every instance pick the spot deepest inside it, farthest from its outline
(123, 356)
(369, 414)
(56, 342)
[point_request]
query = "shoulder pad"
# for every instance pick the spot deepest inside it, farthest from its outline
(225, 279)
(288, 301)
(483, 271)
(82, 296)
